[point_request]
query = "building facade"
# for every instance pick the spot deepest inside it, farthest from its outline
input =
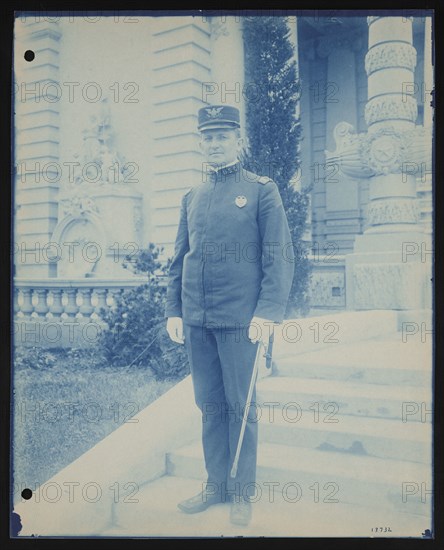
(106, 145)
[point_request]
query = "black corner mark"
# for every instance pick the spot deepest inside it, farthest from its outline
(29, 55)
(26, 494)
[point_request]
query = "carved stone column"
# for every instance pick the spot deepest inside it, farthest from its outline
(387, 269)
(390, 113)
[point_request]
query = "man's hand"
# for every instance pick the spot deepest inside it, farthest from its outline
(175, 329)
(260, 329)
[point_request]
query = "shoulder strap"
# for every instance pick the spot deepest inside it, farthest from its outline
(264, 180)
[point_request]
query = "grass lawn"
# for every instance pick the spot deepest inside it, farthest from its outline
(66, 402)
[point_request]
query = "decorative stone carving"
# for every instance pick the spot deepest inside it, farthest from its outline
(90, 206)
(377, 276)
(384, 151)
(402, 107)
(347, 155)
(218, 27)
(392, 211)
(390, 54)
(77, 205)
(88, 246)
(387, 285)
(101, 164)
(344, 135)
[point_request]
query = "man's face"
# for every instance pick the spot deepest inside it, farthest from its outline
(220, 146)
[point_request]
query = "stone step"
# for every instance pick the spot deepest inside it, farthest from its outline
(155, 514)
(382, 438)
(329, 476)
(306, 334)
(384, 362)
(343, 397)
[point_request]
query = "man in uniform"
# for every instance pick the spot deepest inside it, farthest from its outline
(229, 282)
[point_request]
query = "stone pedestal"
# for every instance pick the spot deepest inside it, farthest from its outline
(389, 273)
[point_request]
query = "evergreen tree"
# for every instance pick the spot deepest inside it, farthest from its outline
(273, 132)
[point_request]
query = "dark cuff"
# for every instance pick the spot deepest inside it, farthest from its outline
(173, 311)
(270, 310)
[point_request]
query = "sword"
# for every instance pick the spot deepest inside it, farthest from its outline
(247, 408)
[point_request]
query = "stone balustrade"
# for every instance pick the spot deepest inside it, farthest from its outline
(43, 299)
(64, 312)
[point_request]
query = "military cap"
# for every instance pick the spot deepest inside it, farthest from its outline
(214, 117)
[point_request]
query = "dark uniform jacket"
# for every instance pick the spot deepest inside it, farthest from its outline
(233, 256)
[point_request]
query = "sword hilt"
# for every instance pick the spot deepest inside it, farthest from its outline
(269, 351)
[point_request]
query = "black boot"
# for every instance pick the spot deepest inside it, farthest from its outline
(199, 502)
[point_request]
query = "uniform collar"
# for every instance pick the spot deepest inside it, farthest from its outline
(223, 171)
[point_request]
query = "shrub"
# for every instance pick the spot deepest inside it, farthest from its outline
(37, 358)
(33, 358)
(136, 326)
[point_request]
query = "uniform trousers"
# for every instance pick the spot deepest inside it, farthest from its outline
(221, 363)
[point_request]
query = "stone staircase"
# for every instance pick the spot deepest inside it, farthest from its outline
(335, 457)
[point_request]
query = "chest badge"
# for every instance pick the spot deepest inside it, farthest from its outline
(240, 201)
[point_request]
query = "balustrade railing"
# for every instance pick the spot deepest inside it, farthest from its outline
(67, 299)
